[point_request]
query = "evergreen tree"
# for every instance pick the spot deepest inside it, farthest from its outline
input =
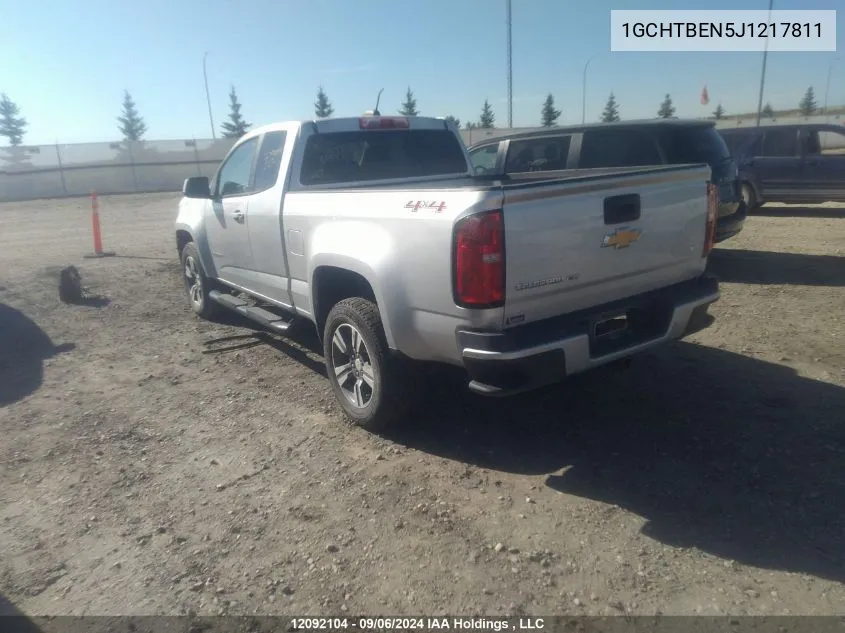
(470, 125)
(132, 126)
(409, 106)
(719, 112)
(487, 118)
(768, 112)
(236, 126)
(611, 110)
(667, 110)
(549, 115)
(322, 106)
(808, 105)
(11, 125)
(456, 122)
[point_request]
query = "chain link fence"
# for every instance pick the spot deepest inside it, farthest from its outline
(62, 170)
(53, 171)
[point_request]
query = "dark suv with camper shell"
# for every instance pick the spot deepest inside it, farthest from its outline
(619, 145)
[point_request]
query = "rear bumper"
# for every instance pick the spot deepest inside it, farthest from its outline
(537, 354)
(729, 225)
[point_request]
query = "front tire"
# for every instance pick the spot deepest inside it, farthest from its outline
(371, 386)
(197, 284)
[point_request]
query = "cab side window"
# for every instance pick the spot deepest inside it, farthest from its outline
(269, 160)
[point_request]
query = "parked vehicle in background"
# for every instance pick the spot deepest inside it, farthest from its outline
(619, 145)
(801, 164)
(376, 231)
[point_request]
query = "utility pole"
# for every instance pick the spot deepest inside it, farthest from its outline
(827, 86)
(208, 98)
(763, 72)
(510, 68)
(584, 91)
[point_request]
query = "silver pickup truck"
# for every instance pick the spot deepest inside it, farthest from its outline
(377, 231)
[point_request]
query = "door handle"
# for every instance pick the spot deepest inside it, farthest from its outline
(238, 216)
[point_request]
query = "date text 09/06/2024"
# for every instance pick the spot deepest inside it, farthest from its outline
(418, 623)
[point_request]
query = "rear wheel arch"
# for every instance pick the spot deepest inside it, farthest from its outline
(332, 284)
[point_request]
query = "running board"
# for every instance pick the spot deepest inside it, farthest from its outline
(259, 315)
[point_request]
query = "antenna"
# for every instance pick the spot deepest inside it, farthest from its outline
(378, 98)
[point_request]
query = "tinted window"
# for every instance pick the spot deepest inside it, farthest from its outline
(538, 154)
(617, 148)
(830, 143)
(233, 179)
(780, 142)
(374, 155)
(737, 141)
(269, 160)
(694, 144)
(483, 159)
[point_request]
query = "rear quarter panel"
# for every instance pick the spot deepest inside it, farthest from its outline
(404, 254)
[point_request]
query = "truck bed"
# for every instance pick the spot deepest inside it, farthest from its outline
(497, 182)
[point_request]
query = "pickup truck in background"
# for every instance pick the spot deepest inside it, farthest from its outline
(377, 231)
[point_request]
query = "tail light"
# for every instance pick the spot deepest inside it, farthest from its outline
(479, 265)
(712, 213)
(383, 123)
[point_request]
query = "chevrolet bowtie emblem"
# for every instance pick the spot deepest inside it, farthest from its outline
(620, 238)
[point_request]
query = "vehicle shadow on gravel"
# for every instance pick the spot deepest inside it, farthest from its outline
(23, 348)
(800, 212)
(13, 620)
(770, 267)
(297, 343)
(737, 457)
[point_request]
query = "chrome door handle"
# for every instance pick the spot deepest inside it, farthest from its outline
(238, 216)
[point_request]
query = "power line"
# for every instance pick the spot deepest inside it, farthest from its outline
(510, 68)
(763, 71)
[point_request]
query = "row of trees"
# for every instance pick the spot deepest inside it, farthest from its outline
(132, 126)
(549, 115)
(130, 123)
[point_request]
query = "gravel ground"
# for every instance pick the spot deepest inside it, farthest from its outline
(152, 463)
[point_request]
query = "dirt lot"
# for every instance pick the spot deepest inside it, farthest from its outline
(152, 463)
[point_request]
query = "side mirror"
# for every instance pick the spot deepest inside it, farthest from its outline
(196, 187)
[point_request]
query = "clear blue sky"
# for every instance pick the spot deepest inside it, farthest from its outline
(67, 62)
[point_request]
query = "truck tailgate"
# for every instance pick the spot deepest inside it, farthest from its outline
(590, 241)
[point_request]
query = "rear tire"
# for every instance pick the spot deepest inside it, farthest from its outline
(197, 284)
(371, 386)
